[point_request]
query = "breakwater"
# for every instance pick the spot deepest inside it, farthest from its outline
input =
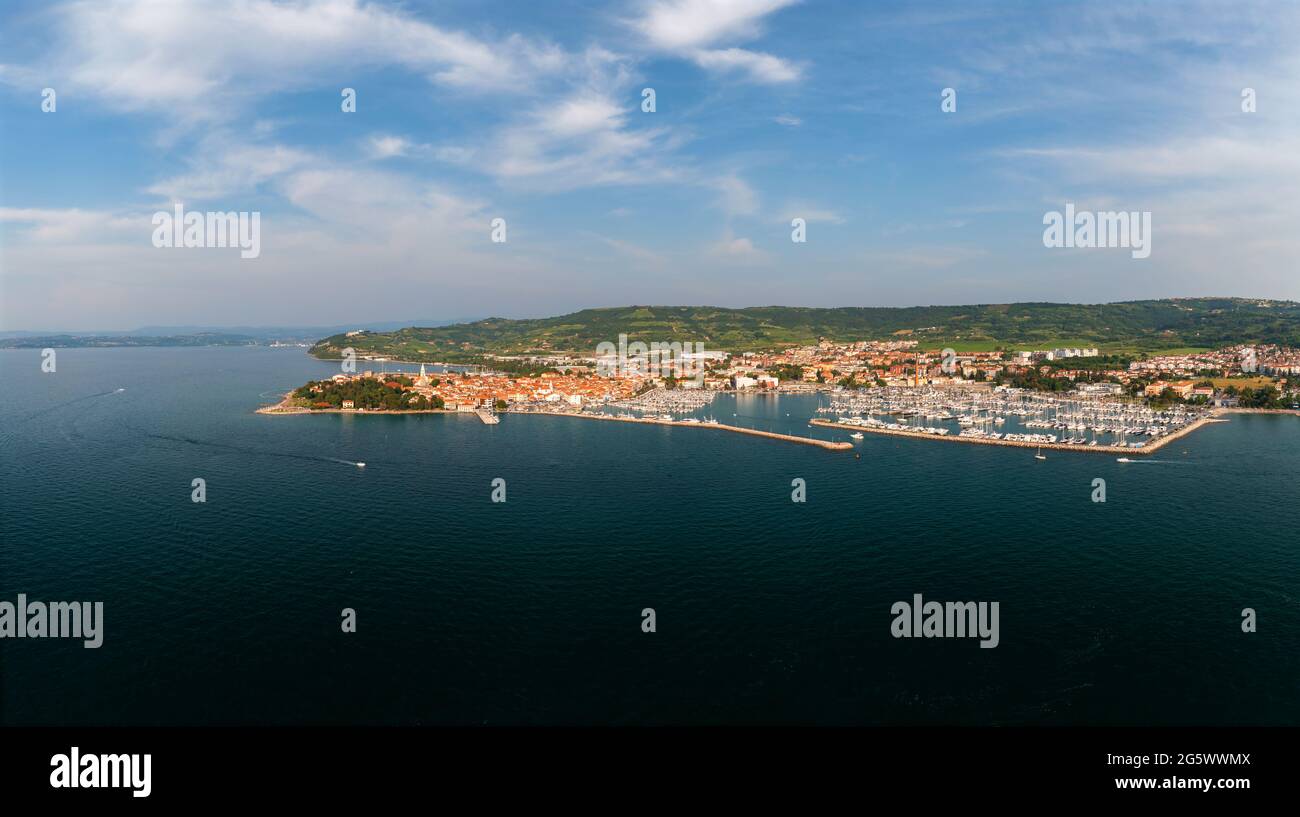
(829, 445)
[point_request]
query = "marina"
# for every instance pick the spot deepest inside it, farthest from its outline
(1013, 416)
(1108, 424)
(1014, 441)
(661, 402)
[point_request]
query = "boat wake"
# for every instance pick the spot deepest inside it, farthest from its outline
(253, 451)
(42, 412)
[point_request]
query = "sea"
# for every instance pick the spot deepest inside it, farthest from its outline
(530, 611)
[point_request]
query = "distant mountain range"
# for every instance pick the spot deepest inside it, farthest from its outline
(189, 335)
(1132, 326)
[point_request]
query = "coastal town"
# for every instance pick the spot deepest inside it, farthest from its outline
(1069, 397)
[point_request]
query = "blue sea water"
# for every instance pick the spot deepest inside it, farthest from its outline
(529, 611)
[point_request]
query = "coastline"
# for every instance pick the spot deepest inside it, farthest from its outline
(1214, 416)
(294, 411)
(281, 408)
(1296, 412)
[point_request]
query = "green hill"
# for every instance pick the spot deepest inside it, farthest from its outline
(1133, 326)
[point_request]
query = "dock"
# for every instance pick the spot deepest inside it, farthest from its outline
(1150, 448)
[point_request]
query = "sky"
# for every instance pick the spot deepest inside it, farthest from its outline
(765, 111)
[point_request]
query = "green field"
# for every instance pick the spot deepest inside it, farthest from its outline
(1186, 350)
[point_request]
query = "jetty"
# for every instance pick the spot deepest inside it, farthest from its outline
(829, 445)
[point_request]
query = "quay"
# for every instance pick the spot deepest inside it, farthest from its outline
(829, 445)
(1150, 448)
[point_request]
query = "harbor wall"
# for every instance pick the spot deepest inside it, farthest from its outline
(829, 445)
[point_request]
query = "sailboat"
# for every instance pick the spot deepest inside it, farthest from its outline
(1039, 455)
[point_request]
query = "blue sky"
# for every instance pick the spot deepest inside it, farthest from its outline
(766, 110)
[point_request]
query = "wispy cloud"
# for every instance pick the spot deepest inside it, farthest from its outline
(695, 30)
(735, 248)
(225, 165)
(386, 147)
(206, 61)
(735, 196)
(810, 213)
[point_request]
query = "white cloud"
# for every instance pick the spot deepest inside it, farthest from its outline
(200, 60)
(581, 115)
(99, 269)
(583, 140)
(735, 248)
(758, 66)
(1179, 158)
(692, 28)
(386, 147)
(688, 24)
(788, 120)
(58, 226)
(222, 166)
